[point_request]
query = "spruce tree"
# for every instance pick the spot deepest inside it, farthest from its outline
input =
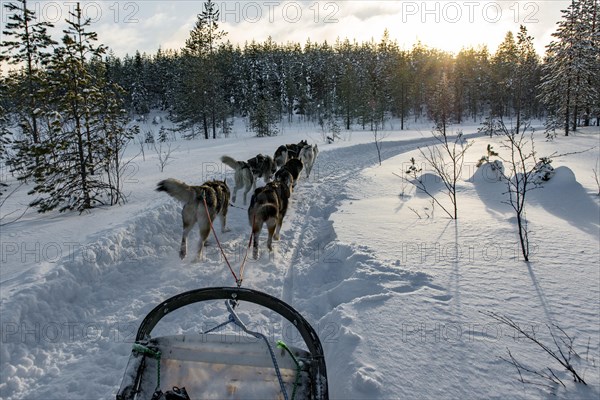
(571, 65)
(261, 88)
(472, 83)
(441, 104)
(527, 77)
(26, 47)
(84, 117)
(264, 118)
(199, 100)
(504, 75)
(112, 132)
(347, 86)
(140, 97)
(401, 85)
(291, 78)
(5, 139)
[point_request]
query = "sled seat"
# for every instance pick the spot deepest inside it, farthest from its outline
(231, 365)
(215, 366)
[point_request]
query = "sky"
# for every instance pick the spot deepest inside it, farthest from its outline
(146, 25)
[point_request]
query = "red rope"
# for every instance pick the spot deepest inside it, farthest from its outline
(247, 250)
(239, 280)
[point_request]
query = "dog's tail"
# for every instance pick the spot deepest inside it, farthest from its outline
(176, 189)
(230, 162)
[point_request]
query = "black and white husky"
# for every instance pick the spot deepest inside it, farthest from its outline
(246, 172)
(262, 167)
(200, 203)
(292, 169)
(286, 152)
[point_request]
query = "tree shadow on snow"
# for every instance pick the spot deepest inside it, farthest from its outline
(565, 198)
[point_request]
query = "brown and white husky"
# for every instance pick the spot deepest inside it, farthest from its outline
(211, 199)
(268, 206)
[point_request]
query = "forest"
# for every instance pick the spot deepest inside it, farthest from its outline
(66, 109)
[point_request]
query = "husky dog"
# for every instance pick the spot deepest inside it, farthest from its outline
(287, 151)
(283, 191)
(268, 205)
(281, 156)
(262, 167)
(222, 191)
(216, 197)
(308, 155)
(284, 176)
(294, 167)
(244, 178)
(294, 149)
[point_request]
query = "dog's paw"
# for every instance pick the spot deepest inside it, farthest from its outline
(276, 236)
(225, 230)
(255, 253)
(182, 253)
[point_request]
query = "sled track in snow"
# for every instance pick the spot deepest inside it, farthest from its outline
(325, 278)
(329, 281)
(310, 242)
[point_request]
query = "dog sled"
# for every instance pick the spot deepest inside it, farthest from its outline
(214, 364)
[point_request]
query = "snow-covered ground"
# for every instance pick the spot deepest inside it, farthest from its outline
(397, 291)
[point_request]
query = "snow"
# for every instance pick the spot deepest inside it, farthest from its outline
(397, 291)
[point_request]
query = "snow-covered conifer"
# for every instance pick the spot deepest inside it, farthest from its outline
(571, 69)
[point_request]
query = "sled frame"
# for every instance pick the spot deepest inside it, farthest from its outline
(319, 385)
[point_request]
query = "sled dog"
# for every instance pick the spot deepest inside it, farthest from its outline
(262, 167)
(281, 156)
(268, 205)
(216, 196)
(308, 155)
(244, 178)
(223, 195)
(284, 176)
(294, 167)
(287, 151)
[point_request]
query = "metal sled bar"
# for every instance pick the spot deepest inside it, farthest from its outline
(242, 294)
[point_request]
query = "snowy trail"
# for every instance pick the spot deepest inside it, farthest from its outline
(326, 279)
(312, 243)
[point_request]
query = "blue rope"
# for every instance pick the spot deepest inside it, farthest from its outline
(259, 335)
(229, 320)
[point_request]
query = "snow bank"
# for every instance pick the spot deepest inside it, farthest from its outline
(60, 319)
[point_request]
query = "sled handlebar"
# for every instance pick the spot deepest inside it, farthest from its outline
(236, 294)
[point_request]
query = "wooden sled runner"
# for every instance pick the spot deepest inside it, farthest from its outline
(224, 365)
